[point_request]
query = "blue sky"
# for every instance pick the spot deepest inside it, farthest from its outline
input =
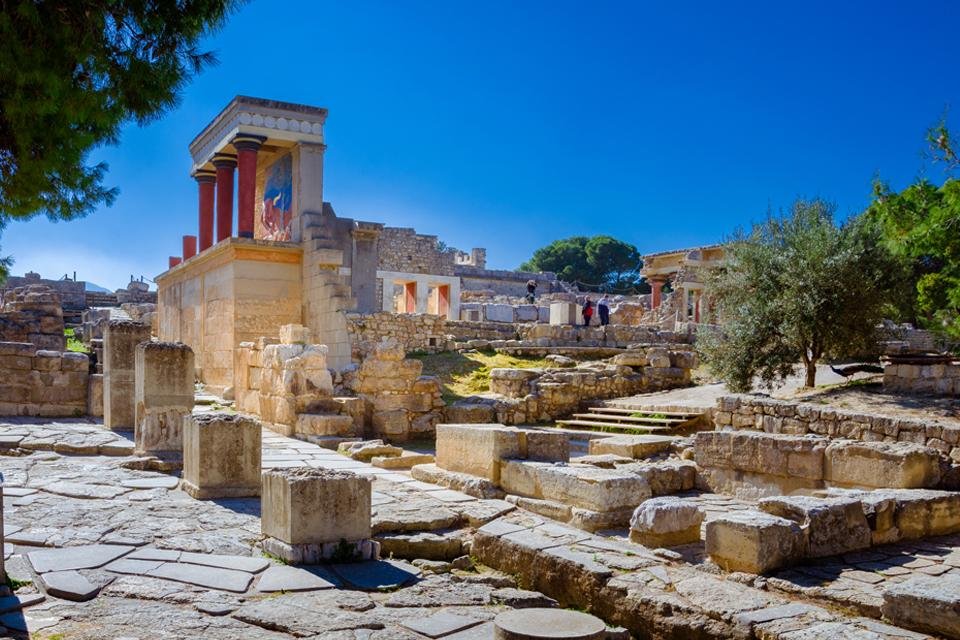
(510, 124)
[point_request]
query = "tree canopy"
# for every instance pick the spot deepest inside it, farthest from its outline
(597, 263)
(73, 74)
(797, 288)
(921, 225)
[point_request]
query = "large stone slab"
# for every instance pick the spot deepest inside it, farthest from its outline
(638, 447)
(753, 541)
(925, 603)
(203, 576)
(891, 465)
(666, 522)
(832, 526)
(291, 579)
(69, 585)
(221, 456)
(547, 624)
(476, 449)
(582, 486)
(80, 557)
(378, 575)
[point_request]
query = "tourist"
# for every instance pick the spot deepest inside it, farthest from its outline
(587, 312)
(603, 307)
(531, 290)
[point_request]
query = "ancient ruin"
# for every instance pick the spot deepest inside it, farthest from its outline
(284, 450)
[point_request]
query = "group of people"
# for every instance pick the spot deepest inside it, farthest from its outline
(603, 310)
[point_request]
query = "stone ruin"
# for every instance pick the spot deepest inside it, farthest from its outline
(33, 314)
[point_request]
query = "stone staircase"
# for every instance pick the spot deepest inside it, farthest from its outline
(620, 420)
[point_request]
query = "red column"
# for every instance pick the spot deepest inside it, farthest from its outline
(189, 247)
(225, 165)
(205, 182)
(173, 261)
(246, 147)
(656, 294)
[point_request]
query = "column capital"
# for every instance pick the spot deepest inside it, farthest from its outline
(225, 161)
(205, 175)
(247, 142)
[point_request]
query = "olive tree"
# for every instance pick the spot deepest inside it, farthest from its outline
(794, 290)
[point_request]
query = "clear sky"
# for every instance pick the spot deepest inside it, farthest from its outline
(508, 124)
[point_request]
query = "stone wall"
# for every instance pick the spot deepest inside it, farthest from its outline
(33, 314)
(941, 379)
(414, 332)
(42, 383)
(72, 294)
(404, 250)
(798, 418)
(542, 395)
(502, 282)
(612, 335)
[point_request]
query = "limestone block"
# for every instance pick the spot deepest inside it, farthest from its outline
(163, 392)
(583, 486)
(95, 395)
(892, 465)
(221, 456)
(324, 424)
(791, 456)
(526, 313)
(476, 449)
(543, 315)
(120, 339)
(924, 512)
(309, 506)
(294, 334)
(562, 313)
(545, 446)
(498, 312)
(70, 361)
(753, 541)
(666, 522)
(469, 412)
(832, 526)
(366, 450)
(637, 447)
(925, 603)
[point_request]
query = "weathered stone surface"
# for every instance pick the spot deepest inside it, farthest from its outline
(379, 575)
(893, 465)
(80, 557)
(120, 339)
(221, 456)
(832, 526)
(471, 485)
(407, 460)
(666, 522)
(368, 449)
(476, 449)
(430, 546)
(440, 624)
(303, 505)
(537, 624)
(204, 576)
(753, 542)
(578, 485)
(641, 446)
(927, 604)
(163, 396)
(291, 579)
(69, 585)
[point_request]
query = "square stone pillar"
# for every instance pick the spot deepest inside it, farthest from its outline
(120, 340)
(563, 313)
(312, 515)
(163, 389)
(221, 456)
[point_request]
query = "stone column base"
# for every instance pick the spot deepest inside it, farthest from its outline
(670, 539)
(318, 553)
(212, 493)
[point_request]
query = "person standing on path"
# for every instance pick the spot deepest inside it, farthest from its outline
(603, 308)
(531, 290)
(587, 312)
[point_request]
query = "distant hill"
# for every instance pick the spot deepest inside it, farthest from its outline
(89, 286)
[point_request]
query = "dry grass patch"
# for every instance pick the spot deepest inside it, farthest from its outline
(468, 374)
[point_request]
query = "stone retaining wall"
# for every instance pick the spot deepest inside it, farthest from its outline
(33, 314)
(926, 379)
(42, 383)
(414, 332)
(798, 418)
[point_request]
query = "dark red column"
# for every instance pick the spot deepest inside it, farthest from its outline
(247, 147)
(225, 165)
(173, 261)
(656, 287)
(189, 247)
(205, 182)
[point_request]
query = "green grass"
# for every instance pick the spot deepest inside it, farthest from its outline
(467, 374)
(655, 416)
(74, 343)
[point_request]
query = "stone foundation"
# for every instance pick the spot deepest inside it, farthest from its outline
(42, 383)
(481, 450)
(939, 379)
(33, 314)
(221, 456)
(164, 390)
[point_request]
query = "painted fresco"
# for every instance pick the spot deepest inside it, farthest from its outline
(278, 200)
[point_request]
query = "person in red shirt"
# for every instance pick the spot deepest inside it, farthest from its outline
(587, 312)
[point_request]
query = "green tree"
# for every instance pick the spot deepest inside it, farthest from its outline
(73, 74)
(600, 262)
(796, 289)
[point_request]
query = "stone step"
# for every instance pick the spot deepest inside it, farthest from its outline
(598, 417)
(405, 460)
(670, 414)
(612, 426)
